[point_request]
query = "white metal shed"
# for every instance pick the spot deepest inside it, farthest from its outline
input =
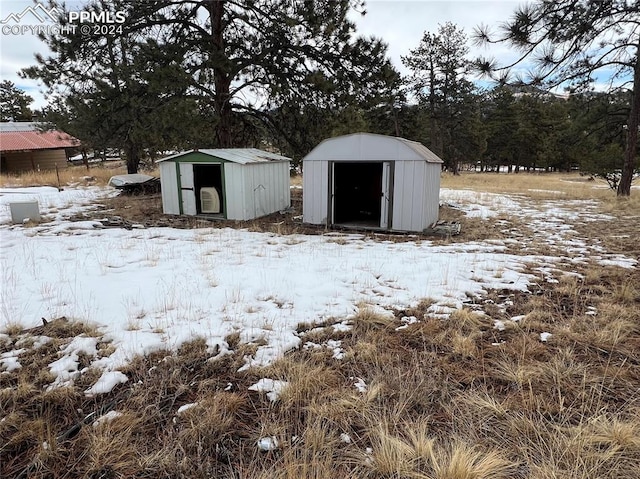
(231, 183)
(371, 181)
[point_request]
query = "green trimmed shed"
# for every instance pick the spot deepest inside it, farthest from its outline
(230, 183)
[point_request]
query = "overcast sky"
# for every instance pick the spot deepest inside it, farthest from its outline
(400, 23)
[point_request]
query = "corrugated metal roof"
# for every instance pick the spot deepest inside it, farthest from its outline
(234, 155)
(21, 136)
(18, 126)
(416, 148)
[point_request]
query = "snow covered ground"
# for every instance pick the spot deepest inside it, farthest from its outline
(156, 288)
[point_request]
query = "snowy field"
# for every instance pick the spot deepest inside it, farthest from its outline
(156, 288)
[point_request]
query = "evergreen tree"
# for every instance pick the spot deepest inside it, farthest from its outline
(438, 80)
(14, 103)
(571, 42)
(125, 91)
(596, 119)
(238, 60)
(501, 120)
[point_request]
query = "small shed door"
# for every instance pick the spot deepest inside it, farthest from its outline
(331, 218)
(387, 182)
(187, 189)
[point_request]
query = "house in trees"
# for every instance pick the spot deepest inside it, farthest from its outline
(371, 181)
(229, 183)
(24, 147)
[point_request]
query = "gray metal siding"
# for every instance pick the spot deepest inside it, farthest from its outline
(169, 188)
(250, 190)
(315, 192)
(409, 197)
(432, 203)
(280, 187)
(259, 190)
(235, 191)
(416, 184)
(255, 190)
(416, 195)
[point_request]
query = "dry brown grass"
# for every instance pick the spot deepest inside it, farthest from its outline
(70, 175)
(555, 186)
(440, 399)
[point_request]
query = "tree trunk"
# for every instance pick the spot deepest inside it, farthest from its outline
(222, 78)
(132, 153)
(624, 187)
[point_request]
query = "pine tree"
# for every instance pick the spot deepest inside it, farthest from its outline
(14, 103)
(438, 80)
(240, 61)
(572, 42)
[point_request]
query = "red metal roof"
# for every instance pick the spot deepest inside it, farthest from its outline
(35, 140)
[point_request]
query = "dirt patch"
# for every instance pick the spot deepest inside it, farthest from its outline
(145, 210)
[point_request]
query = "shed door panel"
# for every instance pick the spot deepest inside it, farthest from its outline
(187, 189)
(332, 194)
(385, 207)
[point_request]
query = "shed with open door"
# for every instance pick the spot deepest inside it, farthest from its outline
(372, 181)
(230, 183)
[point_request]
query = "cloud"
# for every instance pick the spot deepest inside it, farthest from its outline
(402, 23)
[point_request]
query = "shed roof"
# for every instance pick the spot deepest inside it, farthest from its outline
(369, 144)
(21, 136)
(234, 155)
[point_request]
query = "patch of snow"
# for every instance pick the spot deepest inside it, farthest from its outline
(273, 388)
(341, 327)
(35, 342)
(185, 407)
(499, 325)
(554, 192)
(549, 216)
(544, 337)
(517, 319)
(336, 346)
(106, 383)
(442, 310)
(344, 437)
(66, 368)
(108, 417)
(157, 288)
(54, 205)
(407, 320)
(618, 260)
(9, 361)
(360, 385)
(267, 444)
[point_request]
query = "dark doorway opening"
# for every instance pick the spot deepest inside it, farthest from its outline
(357, 194)
(208, 176)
